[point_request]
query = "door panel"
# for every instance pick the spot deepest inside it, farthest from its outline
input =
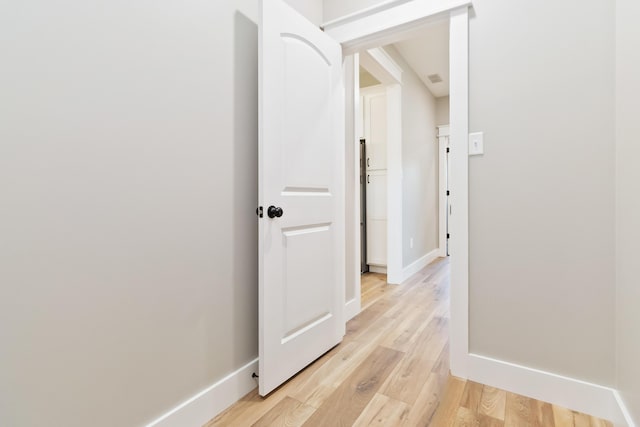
(304, 148)
(311, 301)
(301, 161)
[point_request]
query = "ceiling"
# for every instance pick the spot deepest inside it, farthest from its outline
(427, 52)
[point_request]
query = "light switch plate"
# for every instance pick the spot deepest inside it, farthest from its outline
(476, 143)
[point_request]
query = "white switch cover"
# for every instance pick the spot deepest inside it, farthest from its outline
(476, 143)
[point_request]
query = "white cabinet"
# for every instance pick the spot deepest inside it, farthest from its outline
(374, 129)
(377, 218)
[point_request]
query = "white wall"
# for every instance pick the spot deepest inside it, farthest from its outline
(128, 186)
(419, 165)
(442, 110)
(628, 203)
(542, 196)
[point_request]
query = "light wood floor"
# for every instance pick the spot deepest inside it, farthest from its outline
(392, 370)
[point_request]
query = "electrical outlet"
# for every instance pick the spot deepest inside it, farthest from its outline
(411, 243)
(476, 143)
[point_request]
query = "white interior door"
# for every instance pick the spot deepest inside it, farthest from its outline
(301, 191)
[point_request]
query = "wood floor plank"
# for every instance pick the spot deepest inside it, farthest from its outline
(374, 287)
(562, 417)
(402, 338)
(581, 420)
(417, 293)
(415, 367)
(518, 411)
(287, 413)
(493, 403)
(329, 377)
(441, 367)
(447, 411)
(472, 396)
(314, 390)
(246, 411)
(542, 414)
(426, 403)
(410, 325)
(466, 418)
(363, 321)
(346, 403)
(487, 421)
(383, 411)
(596, 422)
(397, 345)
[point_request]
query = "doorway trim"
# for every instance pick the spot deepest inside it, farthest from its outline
(389, 23)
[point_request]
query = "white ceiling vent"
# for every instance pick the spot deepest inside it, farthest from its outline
(435, 78)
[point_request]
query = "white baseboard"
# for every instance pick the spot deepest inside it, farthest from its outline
(570, 393)
(624, 410)
(377, 269)
(419, 264)
(211, 401)
(351, 309)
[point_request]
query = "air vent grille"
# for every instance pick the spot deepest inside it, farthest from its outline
(435, 78)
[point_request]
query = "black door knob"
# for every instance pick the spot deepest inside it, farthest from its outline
(274, 212)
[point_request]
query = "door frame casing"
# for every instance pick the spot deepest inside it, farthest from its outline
(389, 23)
(351, 67)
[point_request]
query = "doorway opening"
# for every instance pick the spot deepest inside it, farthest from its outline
(402, 129)
(358, 35)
